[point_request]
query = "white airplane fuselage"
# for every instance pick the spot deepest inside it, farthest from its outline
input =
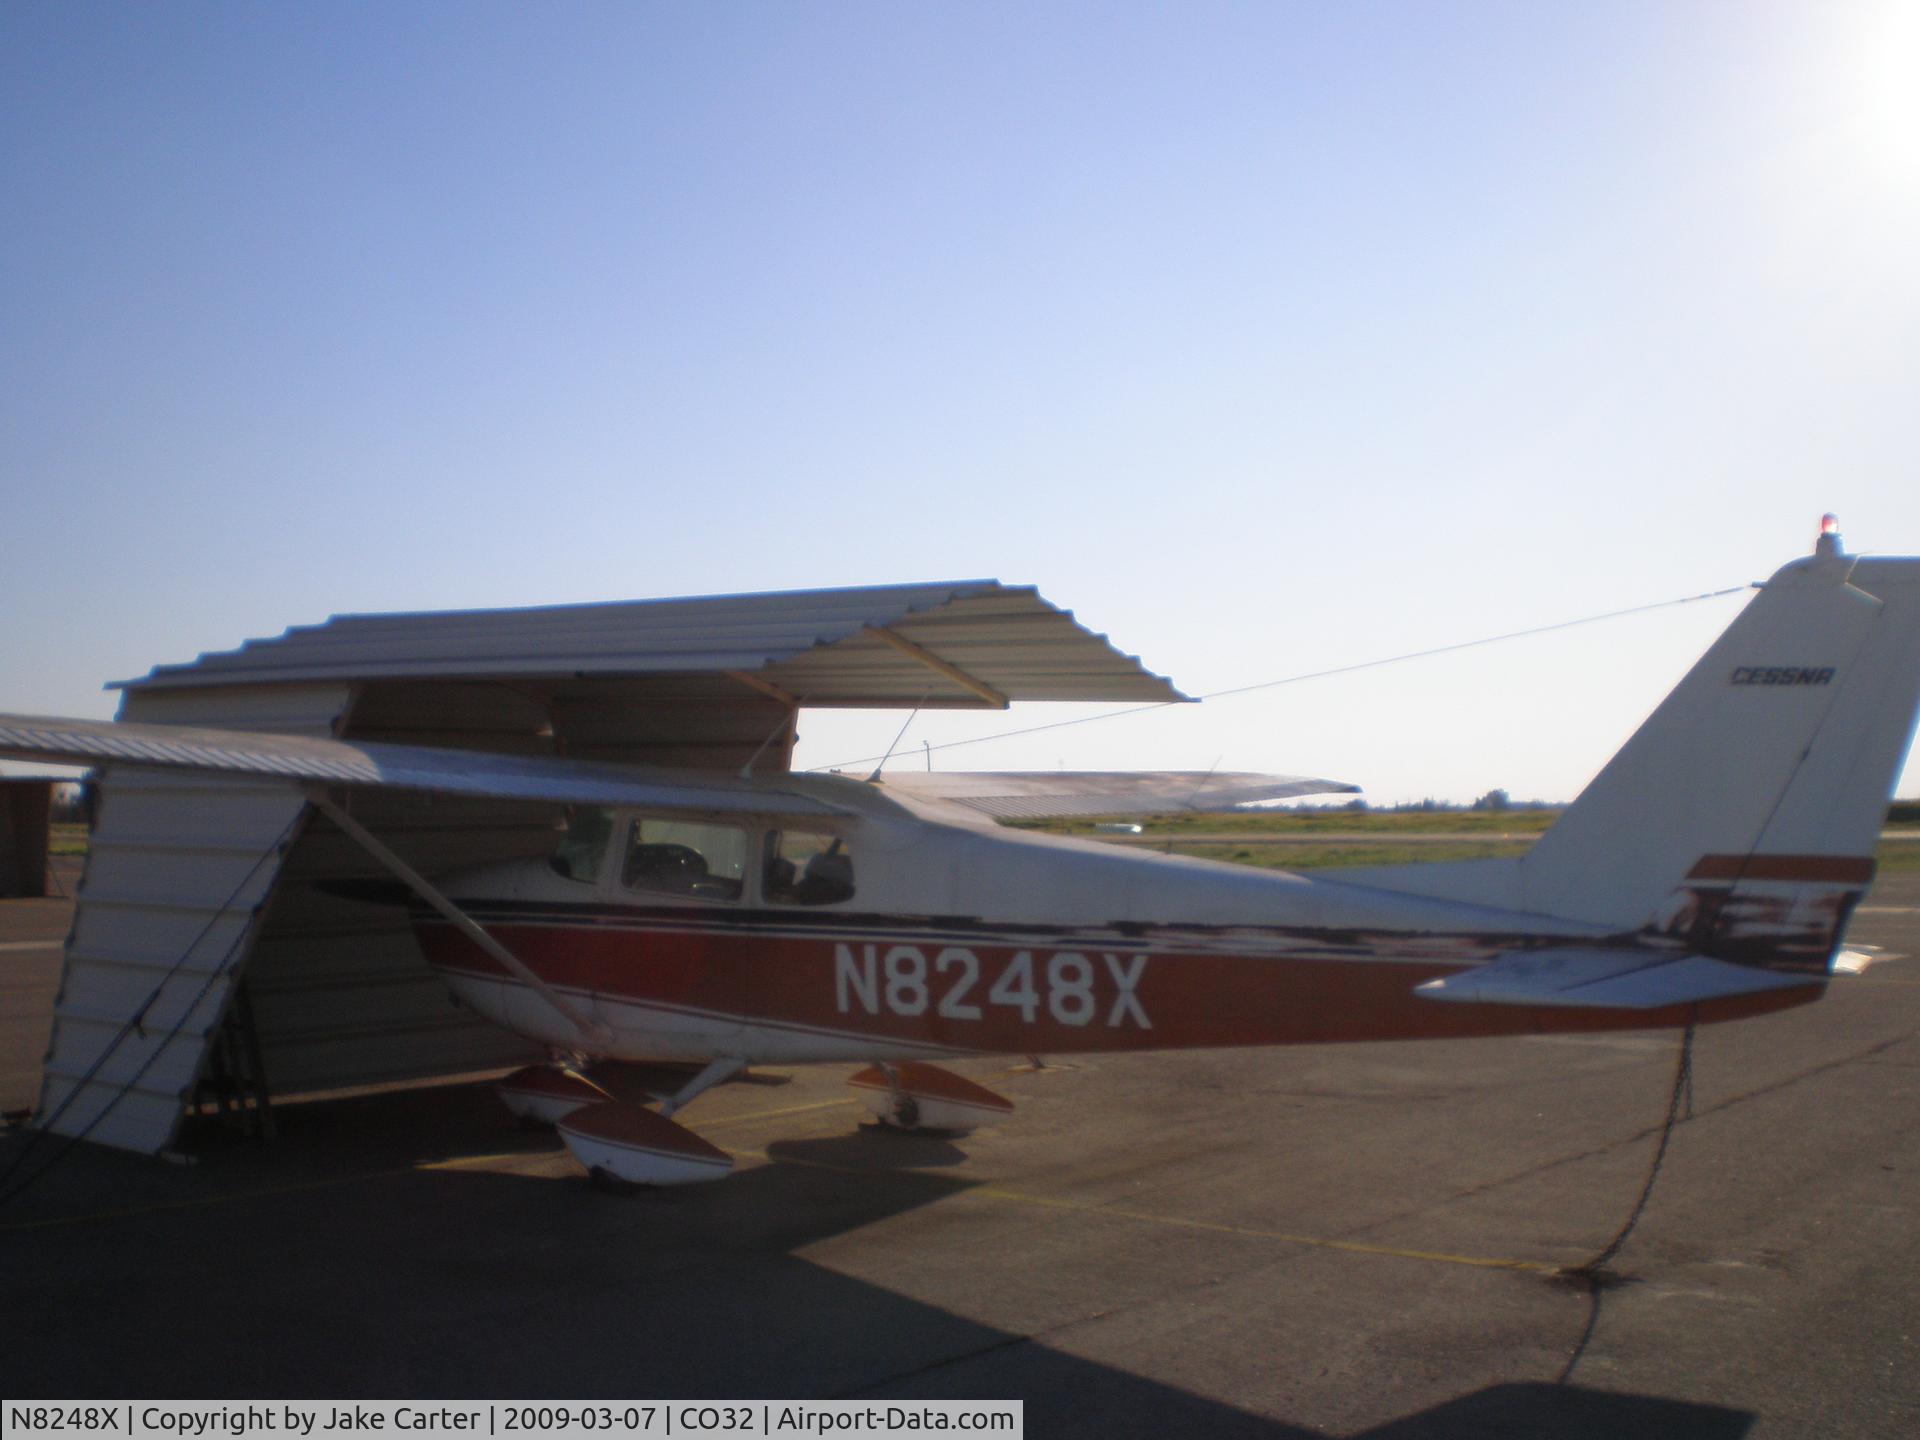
(698, 913)
(963, 938)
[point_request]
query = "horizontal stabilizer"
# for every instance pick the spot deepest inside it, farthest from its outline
(1046, 794)
(1607, 979)
(303, 759)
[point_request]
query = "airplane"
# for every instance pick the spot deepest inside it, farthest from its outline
(724, 920)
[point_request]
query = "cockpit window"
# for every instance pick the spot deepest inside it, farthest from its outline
(803, 867)
(584, 846)
(685, 857)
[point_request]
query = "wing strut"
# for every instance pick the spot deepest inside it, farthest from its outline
(588, 1029)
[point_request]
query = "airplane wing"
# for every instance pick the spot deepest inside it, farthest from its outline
(1608, 979)
(1045, 794)
(303, 760)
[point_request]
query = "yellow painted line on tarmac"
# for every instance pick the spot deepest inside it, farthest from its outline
(719, 1123)
(462, 1162)
(1318, 1242)
(1247, 1232)
(984, 1192)
(458, 1162)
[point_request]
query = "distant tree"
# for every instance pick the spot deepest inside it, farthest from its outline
(1357, 804)
(1494, 800)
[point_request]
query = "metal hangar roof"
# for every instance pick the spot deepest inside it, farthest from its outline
(954, 644)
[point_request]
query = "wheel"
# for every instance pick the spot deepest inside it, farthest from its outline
(904, 1116)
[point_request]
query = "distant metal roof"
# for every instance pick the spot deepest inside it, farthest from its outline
(957, 644)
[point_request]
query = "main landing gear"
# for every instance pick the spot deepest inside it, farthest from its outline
(547, 1094)
(618, 1142)
(913, 1096)
(623, 1145)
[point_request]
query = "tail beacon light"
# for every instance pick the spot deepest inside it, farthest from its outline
(1828, 545)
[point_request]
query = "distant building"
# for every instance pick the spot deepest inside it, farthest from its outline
(26, 807)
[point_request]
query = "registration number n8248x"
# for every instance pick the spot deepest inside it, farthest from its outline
(1074, 987)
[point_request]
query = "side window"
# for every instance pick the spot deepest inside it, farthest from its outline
(685, 857)
(584, 845)
(803, 867)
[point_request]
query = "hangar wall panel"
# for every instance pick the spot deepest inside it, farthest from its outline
(180, 870)
(700, 722)
(820, 644)
(161, 927)
(340, 993)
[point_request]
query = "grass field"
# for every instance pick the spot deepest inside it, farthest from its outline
(1507, 832)
(1385, 823)
(1295, 856)
(1891, 855)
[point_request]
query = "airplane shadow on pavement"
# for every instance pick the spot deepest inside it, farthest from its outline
(334, 1265)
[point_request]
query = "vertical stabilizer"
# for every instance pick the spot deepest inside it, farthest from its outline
(1742, 815)
(1740, 820)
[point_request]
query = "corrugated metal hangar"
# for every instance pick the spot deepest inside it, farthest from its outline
(206, 966)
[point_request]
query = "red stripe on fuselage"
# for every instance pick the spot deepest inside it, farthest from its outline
(1046, 998)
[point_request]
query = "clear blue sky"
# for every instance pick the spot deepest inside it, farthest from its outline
(1268, 337)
